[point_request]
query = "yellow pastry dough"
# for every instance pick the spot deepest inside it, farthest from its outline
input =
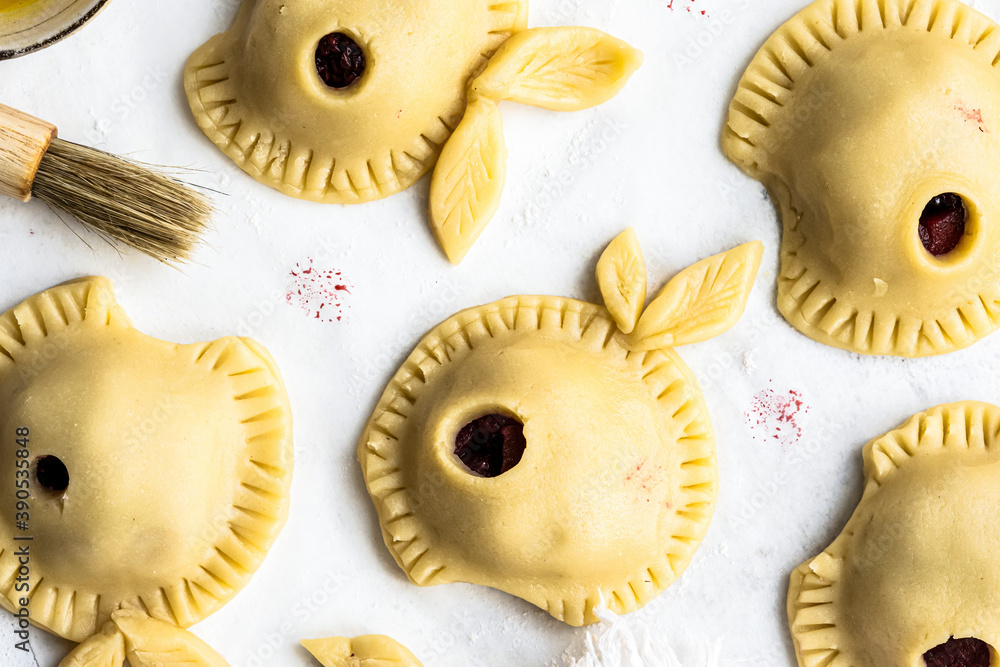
(916, 564)
(621, 275)
(608, 477)
(158, 474)
(105, 649)
(146, 642)
(856, 114)
(563, 69)
(257, 93)
(366, 651)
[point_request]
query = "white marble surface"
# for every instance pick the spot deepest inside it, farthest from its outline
(650, 159)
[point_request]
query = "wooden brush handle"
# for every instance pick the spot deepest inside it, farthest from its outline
(23, 141)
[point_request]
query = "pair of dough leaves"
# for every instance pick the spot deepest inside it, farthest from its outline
(364, 651)
(874, 126)
(145, 642)
(562, 69)
(531, 446)
(428, 70)
(157, 474)
(912, 580)
(701, 302)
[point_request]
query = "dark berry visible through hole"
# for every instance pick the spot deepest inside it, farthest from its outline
(491, 445)
(942, 224)
(52, 474)
(339, 60)
(968, 652)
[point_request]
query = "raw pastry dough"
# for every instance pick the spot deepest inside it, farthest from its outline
(146, 642)
(176, 463)
(621, 275)
(609, 486)
(257, 93)
(855, 115)
(366, 651)
(916, 564)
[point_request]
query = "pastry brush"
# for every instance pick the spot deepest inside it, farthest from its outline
(120, 199)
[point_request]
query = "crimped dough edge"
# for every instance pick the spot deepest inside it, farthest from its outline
(811, 305)
(259, 508)
(814, 608)
(380, 451)
(272, 159)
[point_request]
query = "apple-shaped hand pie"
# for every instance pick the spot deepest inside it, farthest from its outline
(147, 480)
(873, 124)
(348, 101)
(912, 581)
(532, 446)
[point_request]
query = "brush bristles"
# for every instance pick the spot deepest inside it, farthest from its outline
(123, 200)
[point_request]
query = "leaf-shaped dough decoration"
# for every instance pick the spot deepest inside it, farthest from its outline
(369, 651)
(563, 69)
(153, 643)
(468, 179)
(621, 275)
(701, 301)
(105, 649)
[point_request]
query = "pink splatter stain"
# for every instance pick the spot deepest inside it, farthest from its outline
(648, 477)
(775, 416)
(687, 8)
(317, 292)
(973, 115)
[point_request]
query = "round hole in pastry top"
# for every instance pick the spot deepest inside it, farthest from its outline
(943, 223)
(52, 474)
(491, 445)
(340, 60)
(963, 652)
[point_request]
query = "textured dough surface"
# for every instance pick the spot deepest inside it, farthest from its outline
(255, 92)
(365, 651)
(179, 461)
(916, 564)
(616, 487)
(855, 114)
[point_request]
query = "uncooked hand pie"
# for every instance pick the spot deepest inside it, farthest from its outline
(348, 101)
(369, 650)
(912, 580)
(532, 446)
(874, 125)
(155, 476)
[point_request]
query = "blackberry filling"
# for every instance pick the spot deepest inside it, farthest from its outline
(491, 445)
(339, 60)
(969, 652)
(942, 224)
(52, 474)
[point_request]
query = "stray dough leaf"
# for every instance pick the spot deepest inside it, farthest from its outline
(621, 275)
(701, 301)
(468, 180)
(105, 649)
(562, 69)
(152, 643)
(369, 650)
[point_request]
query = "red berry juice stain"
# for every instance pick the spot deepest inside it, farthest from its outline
(971, 115)
(775, 416)
(687, 7)
(647, 478)
(318, 292)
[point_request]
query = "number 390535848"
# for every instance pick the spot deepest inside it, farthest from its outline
(22, 473)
